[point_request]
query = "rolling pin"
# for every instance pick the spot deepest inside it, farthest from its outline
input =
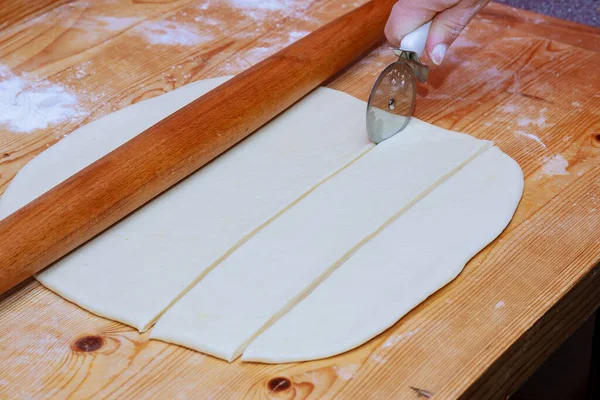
(100, 195)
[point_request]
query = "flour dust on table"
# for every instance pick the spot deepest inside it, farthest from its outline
(262, 252)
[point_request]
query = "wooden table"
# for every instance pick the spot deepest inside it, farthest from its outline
(528, 82)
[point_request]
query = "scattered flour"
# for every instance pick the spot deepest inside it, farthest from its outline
(540, 121)
(208, 21)
(28, 104)
(172, 33)
(494, 72)
(80, 71)
(257, 54)
(295, 35)
(499, 305)
(312, 376)
(271, 46)
(443, 96)
(461, 42)
(261, 4)
(510, 108)
(377, 59)
(260, 9)
(556, 165)
(393, 340)
(532, 137)
(346, 372)
(157, 32)
(97, 26)
(202, 27)
(576, 104)
(378, 359)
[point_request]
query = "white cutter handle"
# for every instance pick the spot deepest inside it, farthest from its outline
(415, 41)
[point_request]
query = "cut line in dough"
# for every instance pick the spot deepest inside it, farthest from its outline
(148, 260)
(420, 252)
(279, 231)
(288, 258)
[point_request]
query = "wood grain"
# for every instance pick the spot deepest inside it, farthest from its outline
(527, 87)
(117, 184)
(566, 32)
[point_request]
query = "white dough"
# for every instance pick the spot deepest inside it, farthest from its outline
(302, 242)
(268, 274)
(134, 270)
(420, 252)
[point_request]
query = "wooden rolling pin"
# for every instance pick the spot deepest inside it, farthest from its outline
(117, 184)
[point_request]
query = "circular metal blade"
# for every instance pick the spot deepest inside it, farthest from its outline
(392, 102)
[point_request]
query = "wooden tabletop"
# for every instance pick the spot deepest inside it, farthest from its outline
(528, 82)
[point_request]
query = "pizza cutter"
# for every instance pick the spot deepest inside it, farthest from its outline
(393, 96)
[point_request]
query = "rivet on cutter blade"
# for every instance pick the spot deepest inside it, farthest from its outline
(393, 96)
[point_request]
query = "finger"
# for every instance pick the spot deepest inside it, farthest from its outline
(408, 15)
(447, 25)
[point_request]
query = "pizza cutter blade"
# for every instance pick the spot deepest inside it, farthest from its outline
(393, 96)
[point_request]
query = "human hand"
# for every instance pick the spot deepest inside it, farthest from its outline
(449, 17)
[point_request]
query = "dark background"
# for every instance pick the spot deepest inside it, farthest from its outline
(582, 11)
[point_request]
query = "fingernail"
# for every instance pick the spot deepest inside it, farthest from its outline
(438, 53)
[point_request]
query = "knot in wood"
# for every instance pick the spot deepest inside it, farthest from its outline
(279, 384)
(88, 344)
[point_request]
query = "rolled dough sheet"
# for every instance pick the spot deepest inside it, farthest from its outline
(134, 270)
(279, 265)
(420, 252)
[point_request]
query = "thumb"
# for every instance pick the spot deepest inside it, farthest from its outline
(447, 25)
